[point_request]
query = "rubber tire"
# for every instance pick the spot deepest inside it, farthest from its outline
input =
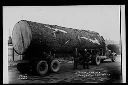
(23, 68)
(113, 59)
(57, 68)
(42, 73)
(96, 61)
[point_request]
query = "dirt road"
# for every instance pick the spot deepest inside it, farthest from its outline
(106, 72)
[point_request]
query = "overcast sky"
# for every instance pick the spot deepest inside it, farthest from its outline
(104, 19)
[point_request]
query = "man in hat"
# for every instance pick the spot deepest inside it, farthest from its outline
(86, 56)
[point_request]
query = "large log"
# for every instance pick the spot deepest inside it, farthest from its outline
(35, 37)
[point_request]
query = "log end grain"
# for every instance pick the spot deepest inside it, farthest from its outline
(21, 36)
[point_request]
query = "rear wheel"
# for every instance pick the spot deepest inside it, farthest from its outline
(96, 60)
(42, 67)
(20, 67)
(55, 65)
(23, 67)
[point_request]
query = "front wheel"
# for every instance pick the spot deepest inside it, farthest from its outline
(113, 58)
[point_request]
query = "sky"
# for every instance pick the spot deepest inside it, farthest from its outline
(104, 19)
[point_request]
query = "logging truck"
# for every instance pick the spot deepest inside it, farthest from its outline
(42, 44)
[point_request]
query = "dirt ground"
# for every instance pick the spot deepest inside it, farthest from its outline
(106, 72)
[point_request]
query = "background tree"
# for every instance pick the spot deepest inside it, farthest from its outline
(114, 48)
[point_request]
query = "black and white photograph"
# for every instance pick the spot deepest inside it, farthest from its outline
(64, 44)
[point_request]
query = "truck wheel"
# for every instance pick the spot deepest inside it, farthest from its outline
(20, 68)
(113, 58)
(23, 67)
(42, 67)
(97, 60)
(55, 65)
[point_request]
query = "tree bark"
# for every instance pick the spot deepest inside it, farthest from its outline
(33, 38)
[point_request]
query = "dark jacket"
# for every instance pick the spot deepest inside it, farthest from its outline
(84, 57)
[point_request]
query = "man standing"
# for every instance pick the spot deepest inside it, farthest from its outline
(86, 55)
(75, 58)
